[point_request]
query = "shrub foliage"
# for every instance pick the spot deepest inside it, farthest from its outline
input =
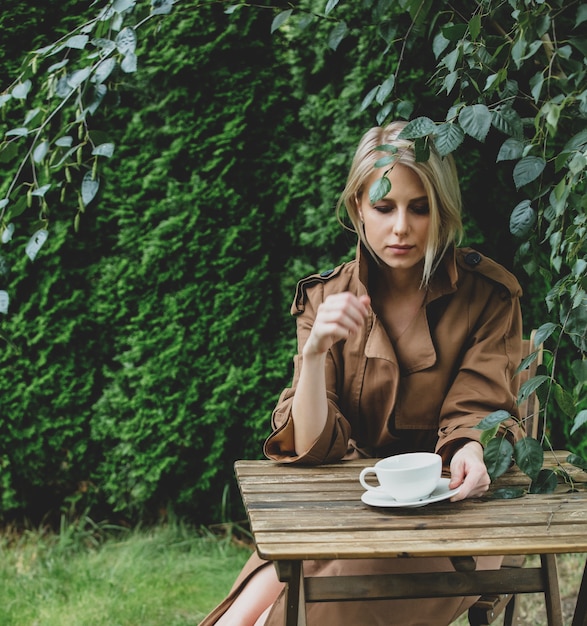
(171, 168)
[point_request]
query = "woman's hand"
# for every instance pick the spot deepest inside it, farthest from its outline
(339, 316)
(468, 471)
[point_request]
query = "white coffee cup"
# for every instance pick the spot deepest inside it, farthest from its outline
(405, 477)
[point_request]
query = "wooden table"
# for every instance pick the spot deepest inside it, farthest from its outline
(299, 513)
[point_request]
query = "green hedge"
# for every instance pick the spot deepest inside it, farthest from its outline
(148, 350)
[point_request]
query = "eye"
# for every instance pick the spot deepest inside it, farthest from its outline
(383, 208)
(421, 209)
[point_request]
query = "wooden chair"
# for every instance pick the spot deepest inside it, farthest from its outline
(488, 608)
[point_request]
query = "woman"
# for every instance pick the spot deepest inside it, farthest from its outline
(405, 348)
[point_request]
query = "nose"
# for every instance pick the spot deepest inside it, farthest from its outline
(401, 223)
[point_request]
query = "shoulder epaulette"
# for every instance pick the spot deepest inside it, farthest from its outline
(307, 283)
(474, 261)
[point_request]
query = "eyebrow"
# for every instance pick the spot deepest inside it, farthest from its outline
(419, 199)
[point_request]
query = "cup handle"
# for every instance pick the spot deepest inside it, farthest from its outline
(364, 472)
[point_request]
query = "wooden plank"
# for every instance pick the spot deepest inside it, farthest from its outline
(409, 536)
(422, 585)
(383, 545)
(552, 597)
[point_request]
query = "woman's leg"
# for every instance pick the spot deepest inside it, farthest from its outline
(261, 621)
(251, 606)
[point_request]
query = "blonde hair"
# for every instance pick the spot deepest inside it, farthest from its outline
(439, 179)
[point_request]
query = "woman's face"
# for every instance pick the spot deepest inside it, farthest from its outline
(396, 227)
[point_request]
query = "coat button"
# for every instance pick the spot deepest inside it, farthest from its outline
(473, 258)
(326, 273)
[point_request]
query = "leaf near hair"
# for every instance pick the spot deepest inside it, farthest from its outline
(417, 128)
(379, 189)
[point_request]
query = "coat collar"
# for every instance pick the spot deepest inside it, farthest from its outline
(414, 350)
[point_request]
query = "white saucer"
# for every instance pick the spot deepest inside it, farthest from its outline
(377, 497)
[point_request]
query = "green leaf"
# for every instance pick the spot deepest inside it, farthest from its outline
(103, 70)
(35, 243)
(493, 79)
(517, 52)
(498, 457)
(90, 188)
(475, 121)
(528, 169)
(510, 150)
(450, 81)
(386, 147)
(368, 99)
(331, 4)
(21, 90)
(379, 189)
(337, 34)
(280, 19)
(385, 89)
(454, 32)
(404, 109)
(488, 435)
(419, 127)
(507, 493)
(448, 137)
(581, 15)
(64, 142)
(493, 419)
(104, 149)
(4, 301)
(439, 44)
(161, 7)
(530, 386)
(536, 83)
(383, 161)
(529, 456)
(57, 66)
(126, 41)
(77, 42)
(564, 400)
(522, 219)
(507, 120)
(41, 191)
(31, 116)
(575, 320)
(41, 151)
(421, 149)
(577, 461)
(17, 132)
(75, 79)
(451, 59)
(527, 361)
(19, 207)
(579, 368)
(580, 420)
(120, 6)
(544, 332)
(475, 26)
(545, 482)
(129, 63)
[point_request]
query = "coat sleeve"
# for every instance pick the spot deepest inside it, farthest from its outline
(332, 444)
(485, 380)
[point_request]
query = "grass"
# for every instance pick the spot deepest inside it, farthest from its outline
(171, 575)
(92, 576)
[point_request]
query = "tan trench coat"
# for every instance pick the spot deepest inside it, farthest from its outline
(451, 367)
